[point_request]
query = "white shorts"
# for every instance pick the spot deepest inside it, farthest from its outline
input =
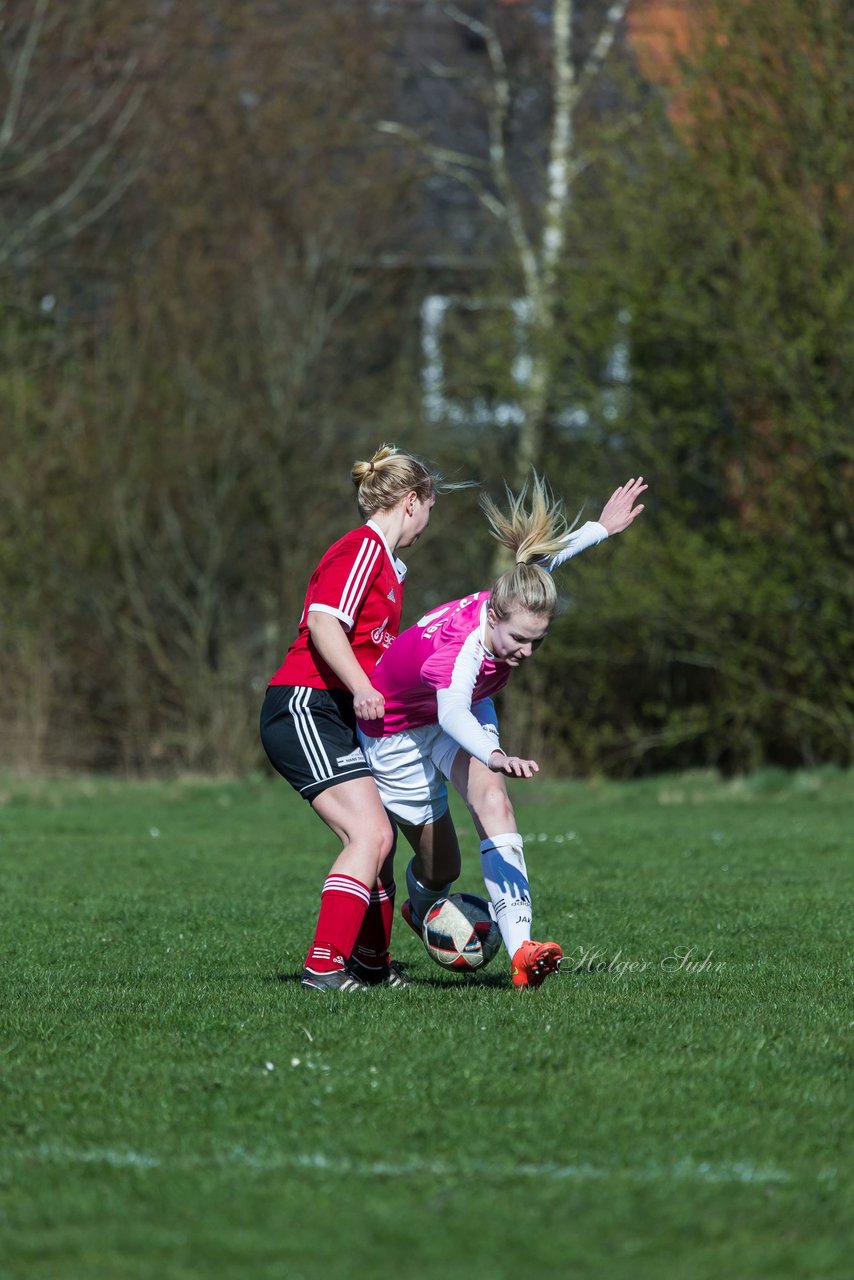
(410, 768)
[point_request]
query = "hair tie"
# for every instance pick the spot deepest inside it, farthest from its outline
(371, 468)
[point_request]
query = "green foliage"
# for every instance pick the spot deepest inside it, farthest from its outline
(722, 632)
(175, 1105)
(178, 427)
(177, 435)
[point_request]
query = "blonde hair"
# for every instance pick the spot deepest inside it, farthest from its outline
(388, 476)
(530, 534)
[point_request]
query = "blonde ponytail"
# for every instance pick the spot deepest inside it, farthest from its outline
(530, 534)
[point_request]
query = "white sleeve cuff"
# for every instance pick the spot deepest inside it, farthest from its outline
(587, 535)
(336, 613)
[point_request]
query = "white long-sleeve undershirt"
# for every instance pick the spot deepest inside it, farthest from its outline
(458, 721)
(576, 541)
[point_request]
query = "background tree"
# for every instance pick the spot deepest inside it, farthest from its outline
(525, 182)
(220, 312)
(72, 141)
(192, 394)
(728, 628)
(72, 88)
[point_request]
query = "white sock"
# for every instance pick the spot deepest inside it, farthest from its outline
(421, 898)
(502, 860)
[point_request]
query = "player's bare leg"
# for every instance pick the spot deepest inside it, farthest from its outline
(504, 870)
(352, 810)
(371, 959)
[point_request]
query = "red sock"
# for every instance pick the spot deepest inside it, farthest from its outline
(374, 937)
(343, 903)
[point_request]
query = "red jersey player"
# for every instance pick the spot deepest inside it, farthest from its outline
(308, 720)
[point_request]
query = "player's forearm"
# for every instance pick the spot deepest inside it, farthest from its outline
(588, 535)
(331, 642)
(458, 722)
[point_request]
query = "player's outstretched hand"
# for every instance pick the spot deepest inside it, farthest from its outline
(619, 511)
(512, 766)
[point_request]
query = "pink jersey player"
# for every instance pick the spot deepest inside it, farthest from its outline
(439, 723)
(439, 669)
(436, 671)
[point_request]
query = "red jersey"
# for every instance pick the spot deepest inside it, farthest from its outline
(359, 581)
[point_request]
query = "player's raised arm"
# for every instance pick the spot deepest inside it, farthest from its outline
(620, 510)
(617, 514)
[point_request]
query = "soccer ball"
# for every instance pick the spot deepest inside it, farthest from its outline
(459, 933)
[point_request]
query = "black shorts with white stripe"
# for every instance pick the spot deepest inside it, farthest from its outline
(310, 737)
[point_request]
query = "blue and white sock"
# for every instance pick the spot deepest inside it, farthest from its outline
(502, 861)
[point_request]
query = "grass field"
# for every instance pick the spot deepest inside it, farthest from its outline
(675, 1104)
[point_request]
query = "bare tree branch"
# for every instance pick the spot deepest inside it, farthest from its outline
(38, 159)
(454, 164)
(20, 72)
(602, 47)
(32, 140)
(497, 123)
(16, 239)
(441, 155)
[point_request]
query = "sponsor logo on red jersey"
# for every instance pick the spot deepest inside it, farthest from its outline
(381, 636)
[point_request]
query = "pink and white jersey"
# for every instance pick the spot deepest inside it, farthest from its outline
(435, 671)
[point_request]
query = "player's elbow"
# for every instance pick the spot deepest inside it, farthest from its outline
(446, 722)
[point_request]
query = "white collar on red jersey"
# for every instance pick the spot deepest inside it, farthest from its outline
(399, 566)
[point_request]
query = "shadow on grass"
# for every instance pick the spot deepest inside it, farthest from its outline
(462, 982)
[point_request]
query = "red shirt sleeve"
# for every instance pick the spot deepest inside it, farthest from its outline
(344, 577)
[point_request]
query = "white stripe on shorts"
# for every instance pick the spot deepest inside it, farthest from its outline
(309, 738)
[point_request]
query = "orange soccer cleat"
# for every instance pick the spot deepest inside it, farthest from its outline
(533, 963)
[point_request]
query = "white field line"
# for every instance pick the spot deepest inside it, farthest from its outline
(681, 1171)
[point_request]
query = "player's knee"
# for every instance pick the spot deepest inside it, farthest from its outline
(374, 845)
(383, 845)
(494, 809)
